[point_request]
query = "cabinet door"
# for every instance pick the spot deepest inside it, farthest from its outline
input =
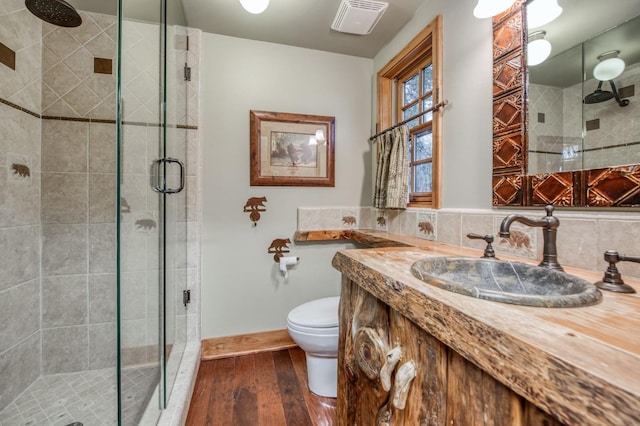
(447, 389)
(427, 397)
(476, 398)
(359, 396)
(363, 400)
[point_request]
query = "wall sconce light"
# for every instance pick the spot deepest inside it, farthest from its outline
(320, 136)
(313, 140)
(609, 67)
(489, 8)
(254, 6)
(541, 12)
(538, 49)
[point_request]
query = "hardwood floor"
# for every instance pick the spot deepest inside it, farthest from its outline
(266, 389)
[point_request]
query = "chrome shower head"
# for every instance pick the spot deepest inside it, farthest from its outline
(56, 12)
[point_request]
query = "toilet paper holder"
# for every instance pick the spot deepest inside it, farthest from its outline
(286, 261)
(279, 247)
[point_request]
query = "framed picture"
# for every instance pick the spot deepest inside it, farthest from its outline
(292, 149)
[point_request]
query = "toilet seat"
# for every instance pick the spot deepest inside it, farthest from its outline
(316, 331)
(315, 316)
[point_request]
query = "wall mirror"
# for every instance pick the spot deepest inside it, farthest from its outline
(563, 135)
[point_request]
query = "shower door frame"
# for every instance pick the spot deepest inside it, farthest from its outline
(167, 208)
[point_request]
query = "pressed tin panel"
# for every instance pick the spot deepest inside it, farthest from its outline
(610, 187)
(507, 33)
(616, 186)
(553, 188)
(508, 113)
(508, 73)
(508, 190)
(509, 119)
(508, 151)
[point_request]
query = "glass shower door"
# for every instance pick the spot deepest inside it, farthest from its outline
(175, 203)
(152, 226)
(140, 221)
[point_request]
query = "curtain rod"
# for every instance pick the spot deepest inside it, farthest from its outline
(436, 107)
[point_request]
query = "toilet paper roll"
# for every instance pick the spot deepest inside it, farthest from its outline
(287, 261)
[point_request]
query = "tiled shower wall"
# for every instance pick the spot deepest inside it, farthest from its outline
(20, 349)
(611, 138)
(616, 125)
(583, 237)
(78, 196)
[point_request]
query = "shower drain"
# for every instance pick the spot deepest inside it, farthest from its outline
(75, 424)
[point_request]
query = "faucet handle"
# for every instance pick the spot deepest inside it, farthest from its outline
(549, 209)
(612, 279)
(488, 251)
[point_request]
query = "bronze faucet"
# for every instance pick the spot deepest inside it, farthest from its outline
(549, 225)
(612, 279)
(489, 253)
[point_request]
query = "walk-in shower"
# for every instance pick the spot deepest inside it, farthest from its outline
(95, 256)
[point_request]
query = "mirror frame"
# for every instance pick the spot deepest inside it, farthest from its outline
(511, 185)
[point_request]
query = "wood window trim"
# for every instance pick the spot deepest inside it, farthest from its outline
(427, 42)
(407, 74)
(421, 199)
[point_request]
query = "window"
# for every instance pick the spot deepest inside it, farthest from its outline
(408, 86)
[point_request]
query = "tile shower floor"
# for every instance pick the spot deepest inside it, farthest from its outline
(88, 397)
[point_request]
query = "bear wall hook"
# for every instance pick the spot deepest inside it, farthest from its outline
(255, 205)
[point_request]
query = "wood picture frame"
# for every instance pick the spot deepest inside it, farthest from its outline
(281, 154)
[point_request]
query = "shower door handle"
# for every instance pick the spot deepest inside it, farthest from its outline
(161, 182)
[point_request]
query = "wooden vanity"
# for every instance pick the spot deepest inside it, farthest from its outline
(413, 354)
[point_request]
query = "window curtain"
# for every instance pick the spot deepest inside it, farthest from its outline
(392, 173)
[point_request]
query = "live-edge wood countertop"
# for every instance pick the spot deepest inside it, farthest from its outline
(581, 365)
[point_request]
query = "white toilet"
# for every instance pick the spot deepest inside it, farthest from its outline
(314, 327)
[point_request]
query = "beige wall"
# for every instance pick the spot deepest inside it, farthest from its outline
(242, 289)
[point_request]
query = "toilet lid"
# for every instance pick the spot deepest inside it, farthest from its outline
(318, 313)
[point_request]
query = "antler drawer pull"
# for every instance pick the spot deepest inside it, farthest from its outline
(393, 357)
(404, 377)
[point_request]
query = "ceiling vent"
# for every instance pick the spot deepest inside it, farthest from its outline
(358, 16)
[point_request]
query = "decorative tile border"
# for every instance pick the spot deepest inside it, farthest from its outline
(582, 237)
(93, 120)
(523, 241)
(427, 226)
(79, 119)
(19, 108)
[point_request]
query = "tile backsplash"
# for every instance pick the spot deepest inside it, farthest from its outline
(582, 240)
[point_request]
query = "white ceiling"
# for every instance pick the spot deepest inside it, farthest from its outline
(301, 23)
